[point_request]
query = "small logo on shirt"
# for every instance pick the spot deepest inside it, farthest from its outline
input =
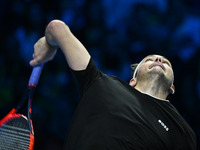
(162, 124)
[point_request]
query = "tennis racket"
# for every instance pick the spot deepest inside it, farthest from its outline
(16, 130)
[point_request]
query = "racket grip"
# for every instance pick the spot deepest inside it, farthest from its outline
(35, 75)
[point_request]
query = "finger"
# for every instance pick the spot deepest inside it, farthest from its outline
(33, 62)
(33, 55)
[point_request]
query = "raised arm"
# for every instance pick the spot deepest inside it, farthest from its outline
(58, 35)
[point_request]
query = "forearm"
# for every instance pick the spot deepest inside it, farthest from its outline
(59, 35)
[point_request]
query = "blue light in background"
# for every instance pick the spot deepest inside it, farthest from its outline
(68, 16)
(187, 53)
(26, 42)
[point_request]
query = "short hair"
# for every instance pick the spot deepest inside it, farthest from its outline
(133, 67)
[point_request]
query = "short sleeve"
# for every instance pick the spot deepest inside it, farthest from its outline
(86, 77)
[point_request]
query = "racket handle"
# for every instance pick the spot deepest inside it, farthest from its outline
(35, 75)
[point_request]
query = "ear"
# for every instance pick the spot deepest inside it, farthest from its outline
(172, 89)
(133, 82)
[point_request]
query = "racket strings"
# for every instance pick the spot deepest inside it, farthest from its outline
(15, 134)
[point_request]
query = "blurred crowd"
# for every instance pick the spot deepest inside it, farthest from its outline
(116, 33)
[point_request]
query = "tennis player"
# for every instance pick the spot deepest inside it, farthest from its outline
(114, 115)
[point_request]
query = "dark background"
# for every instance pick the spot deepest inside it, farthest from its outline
(117, 33)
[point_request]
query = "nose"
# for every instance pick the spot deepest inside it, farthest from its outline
(158, 59)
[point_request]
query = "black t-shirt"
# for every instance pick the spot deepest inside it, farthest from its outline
(112, 115)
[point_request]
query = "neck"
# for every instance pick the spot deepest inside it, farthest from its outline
(152, 88)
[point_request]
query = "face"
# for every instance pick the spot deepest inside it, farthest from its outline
(155, 65)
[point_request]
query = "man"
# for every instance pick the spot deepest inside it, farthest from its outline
(113, 115)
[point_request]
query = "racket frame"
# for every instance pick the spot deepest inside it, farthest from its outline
(33, 81)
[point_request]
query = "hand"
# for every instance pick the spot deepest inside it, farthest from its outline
(43, 52)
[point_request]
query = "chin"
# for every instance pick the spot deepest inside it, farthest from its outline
(161, 76)
(159, 71)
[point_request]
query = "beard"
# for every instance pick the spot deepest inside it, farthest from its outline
(158, 77)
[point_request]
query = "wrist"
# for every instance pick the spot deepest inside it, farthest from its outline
(52, 47)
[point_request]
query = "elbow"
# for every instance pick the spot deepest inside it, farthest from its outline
(55, 30)
(56, 25)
